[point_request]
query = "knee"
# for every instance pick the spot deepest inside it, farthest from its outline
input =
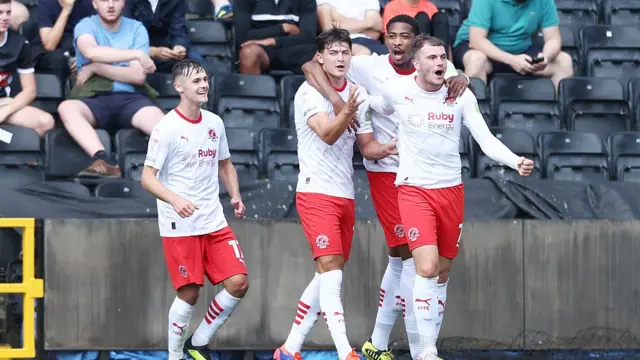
(443, 276)
(360, 50)
(564, 64)
(189, 293)
(46, 122)
(65, 109)
(475, 62)
(237, 285)
(428, 269)
(329, 263)
(249, 55)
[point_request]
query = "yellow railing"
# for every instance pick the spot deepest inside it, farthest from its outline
(31, 287)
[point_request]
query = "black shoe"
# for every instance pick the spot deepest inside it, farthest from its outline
(197, 352)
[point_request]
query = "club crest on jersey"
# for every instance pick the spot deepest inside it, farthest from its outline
(212, 134)
(449, 101)
(415, 120)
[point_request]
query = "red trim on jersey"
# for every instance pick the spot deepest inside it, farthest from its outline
(341, 89)
(415, 78)
(401, 71)
(196, 121)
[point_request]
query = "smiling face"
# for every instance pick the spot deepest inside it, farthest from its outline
(193, 85)
(5, 16)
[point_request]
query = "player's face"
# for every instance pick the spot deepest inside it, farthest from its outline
(335, 59)
(109, 10)
(398, 40)
(5, 17)
(431, 64)
(194, 88)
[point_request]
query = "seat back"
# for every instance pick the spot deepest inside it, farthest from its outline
(248, 101)
(168, 98)
(211, 40)
(621, 12)
(480, 91)
(624, 150)
(518, 141)
(575, 156)
(243, 146)
(280, 153)
(131, 151)
(63, 156)
(50, 93)
(611, 51)
(288, 87)
(578, 13)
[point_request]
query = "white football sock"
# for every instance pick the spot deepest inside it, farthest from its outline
(219, 311)
(407, 279)
(179, 316)
(306, 316)
(388, 308)
(425, 307)
(442, 304)
(331, 306)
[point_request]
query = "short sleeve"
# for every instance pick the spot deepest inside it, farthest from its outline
(25, 59)
(549, 15)
(223, 145)
(141, 38)
(84, 27)
(480, 14)
(361, 69)
(308, 102)
(159, 147)
(372, 5)
(364, 112)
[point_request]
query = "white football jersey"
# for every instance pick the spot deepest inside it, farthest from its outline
(374, 74)
(186, 153)
(326, 169)
(429, 134)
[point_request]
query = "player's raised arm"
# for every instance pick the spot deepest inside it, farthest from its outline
(227, 172)
(331, 130)
(490, 145)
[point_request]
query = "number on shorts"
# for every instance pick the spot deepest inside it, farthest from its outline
(237, 250)
(459, 236)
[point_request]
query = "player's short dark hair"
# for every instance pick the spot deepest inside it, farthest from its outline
(405, 19)
(333, 36)
(425, 40)
(185, 68)
(5, 1)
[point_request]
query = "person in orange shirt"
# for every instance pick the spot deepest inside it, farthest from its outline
(431, 21)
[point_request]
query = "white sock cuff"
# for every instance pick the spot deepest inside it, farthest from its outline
(422, 282)
(181, 307)
(395, 264)
(444, 284)
(409, 264)
(226, 300)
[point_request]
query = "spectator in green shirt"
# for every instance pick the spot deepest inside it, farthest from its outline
(497, 38)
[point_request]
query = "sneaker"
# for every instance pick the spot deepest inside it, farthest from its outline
(353, 356)
(100, 168)
(372, 353)
(282, 354)
(225, 12)
(429, 356)
(197, 352)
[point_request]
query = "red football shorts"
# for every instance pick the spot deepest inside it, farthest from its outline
(327, 222)
(189, 258)
(384, 194)
(433, 217)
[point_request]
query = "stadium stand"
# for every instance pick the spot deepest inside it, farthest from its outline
(577, 13)
(168, 97)
(279, 153)
(243, 146)
(210, 39)
(22, 157)
(611, 51)
(624, 150)
(64, 158)
(131, 149)
(621, 12)
(519, 141)
(480, 91)
(288, 87)
(249, 101)
(574, 156)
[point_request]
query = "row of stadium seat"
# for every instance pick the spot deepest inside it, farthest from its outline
(272, 153)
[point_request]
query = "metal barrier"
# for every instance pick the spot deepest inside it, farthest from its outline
(31, 287)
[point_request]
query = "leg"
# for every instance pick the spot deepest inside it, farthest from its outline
(560, 68)
(254, 59)
(147, 117)
(19, 14)
(419, 219)
(476, 64)
(185, 264)
(222, 9)
(360, 50)
(33, 118)
(306, 316)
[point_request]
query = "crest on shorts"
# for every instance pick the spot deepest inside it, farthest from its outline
(183, 271)
(399, 230)
(413, 234)
(212, 134)
(449, 101)
(322, 241)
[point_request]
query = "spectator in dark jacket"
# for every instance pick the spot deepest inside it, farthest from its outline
(277, 35)
(168, 35)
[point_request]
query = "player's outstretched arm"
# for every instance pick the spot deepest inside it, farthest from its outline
(150, 182)
(331, 130)
(229, 176)
(371, 149)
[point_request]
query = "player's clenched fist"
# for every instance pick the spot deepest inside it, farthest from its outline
(183, 207)
(391, 147)
(238, 208)
(525, 166)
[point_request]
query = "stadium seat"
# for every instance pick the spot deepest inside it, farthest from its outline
(577, 13)
(594, 105)
(123, 190)
(634, 100)
(248, 101)
(168, 99)
(22, 154)
(243, 146)
(288, 87)
(209, 38)
(50, 93)
(570, 46)
(624, 149)
(131, 150)
(465, 155)
(611, 51)
(455, 14)
(64, 158)
(480, 91)
(621, 12)
(200, 8)
(525, 103)
(574, 156)
(517, 140)
(279, 148)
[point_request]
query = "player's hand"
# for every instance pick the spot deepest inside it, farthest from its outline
(351, 110)
(525, 166)
(147, 63)
(183, 207)
(338, 106)
(521, 64)
(238, 207)
(391, 147)
(456, 85)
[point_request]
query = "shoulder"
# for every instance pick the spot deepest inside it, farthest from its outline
(88, 21)
(366, 61)
(307, 93)
(132, 24)
(467, 98)
(16, 37)
(212, 119)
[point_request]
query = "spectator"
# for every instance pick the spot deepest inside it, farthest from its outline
(113, 60)
(19, 15)
(53, 49)
(167, 28)
(15, 56)
(497, 37)
(360, 17)
(431, 21)
(278, 35)
(222, 9)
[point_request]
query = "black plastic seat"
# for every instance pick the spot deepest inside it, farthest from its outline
(621, 12)
(131, 150)
(123, 190)
(280, 154)
(288, 87)
(611, 51)
(210, 38)
(63, 156)
(577, 13)
(243, 146)
(163, 83)
(570, 46)
(50, 93)
(624, 150)
(519, 142)
(575, 156)
(22, 155)
(480, 91)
